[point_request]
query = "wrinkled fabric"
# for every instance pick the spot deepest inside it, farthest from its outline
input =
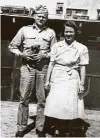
(27, 82)
(27, 38)
(62, 101)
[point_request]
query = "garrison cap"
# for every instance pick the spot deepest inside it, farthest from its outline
(41, 9)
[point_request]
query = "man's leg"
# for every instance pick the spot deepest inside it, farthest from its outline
(26, 85)
(40, 93)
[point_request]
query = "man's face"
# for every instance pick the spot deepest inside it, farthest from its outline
(41, 19)
(69, 34)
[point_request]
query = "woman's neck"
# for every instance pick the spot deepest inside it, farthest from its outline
(69, 42)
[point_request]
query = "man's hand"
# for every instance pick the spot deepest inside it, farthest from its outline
(39, 57)
(26, 56)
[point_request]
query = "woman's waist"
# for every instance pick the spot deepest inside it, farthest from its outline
(60, 71)
(66, 67)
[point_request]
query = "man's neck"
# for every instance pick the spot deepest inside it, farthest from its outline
(40, 27)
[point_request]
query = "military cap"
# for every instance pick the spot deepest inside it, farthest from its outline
(41, 9)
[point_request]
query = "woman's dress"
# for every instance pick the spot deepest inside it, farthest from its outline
(62, 101)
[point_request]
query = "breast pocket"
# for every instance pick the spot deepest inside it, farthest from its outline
(46, 43)
(29, 41)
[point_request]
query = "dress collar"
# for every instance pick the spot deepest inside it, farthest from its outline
(71, 45)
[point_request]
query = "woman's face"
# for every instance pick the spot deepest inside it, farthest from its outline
(69, 34)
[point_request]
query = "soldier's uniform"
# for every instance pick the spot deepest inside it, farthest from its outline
(32, 72)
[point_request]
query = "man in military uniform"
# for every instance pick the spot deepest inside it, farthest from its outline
(36, 41)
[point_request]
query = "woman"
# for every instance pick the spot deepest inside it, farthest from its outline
(68, 58)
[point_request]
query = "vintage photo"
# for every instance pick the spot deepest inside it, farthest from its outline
(50, 68)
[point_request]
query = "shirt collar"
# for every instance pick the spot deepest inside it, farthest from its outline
(36, 27)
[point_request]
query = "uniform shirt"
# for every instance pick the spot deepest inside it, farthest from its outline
(31, 35)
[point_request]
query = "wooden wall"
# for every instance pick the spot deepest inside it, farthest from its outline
(10, 72)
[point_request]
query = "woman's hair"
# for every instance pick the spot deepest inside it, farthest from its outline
(71, 24)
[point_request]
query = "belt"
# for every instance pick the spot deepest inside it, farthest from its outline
(35, 64)
(69, 69)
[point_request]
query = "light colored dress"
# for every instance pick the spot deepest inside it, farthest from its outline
(62, 101)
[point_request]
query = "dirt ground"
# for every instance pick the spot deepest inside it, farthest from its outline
(9, 117)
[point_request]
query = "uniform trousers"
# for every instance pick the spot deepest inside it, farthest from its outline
(30, 77)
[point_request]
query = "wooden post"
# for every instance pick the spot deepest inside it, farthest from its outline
(13, 78)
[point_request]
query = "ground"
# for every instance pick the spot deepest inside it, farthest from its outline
(9, 115)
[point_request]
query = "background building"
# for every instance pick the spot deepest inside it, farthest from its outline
(87, 9)
(60, 11)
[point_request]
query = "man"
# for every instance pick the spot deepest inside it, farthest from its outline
(36, 41)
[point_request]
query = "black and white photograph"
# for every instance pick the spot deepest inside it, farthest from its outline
(50, 68)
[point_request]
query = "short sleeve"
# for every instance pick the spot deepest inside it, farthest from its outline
(53, 39)
(53, 53)
(84, 56)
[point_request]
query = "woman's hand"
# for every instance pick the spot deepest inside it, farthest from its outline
(81, 91)
(47, 86)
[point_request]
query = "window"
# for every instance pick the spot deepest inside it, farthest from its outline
(59, 8)
(98, 14)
